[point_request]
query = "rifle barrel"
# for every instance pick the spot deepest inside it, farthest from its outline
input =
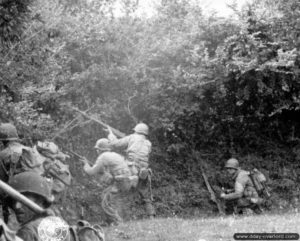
(115, 131)
(80, 157)
(21, 198)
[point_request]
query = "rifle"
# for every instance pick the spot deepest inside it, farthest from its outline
(50, 171)
(79, 156)
(213, 196)
(115, 131)
(21, 198)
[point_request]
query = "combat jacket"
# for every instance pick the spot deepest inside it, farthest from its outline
(108, 162)
(137, 146)
(30, 231)
(17, 158)
(243, 187)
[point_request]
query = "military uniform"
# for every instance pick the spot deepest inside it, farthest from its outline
(244, 194)
(138, 149)
(53, 163)
(29, 230)
(17, 158)
(14, 158)
(38, 189)
(114, 165)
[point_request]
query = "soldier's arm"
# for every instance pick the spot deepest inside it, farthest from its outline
(27, 234)
(238, 192)
(239, 187)
(120, 143)
(97, 168)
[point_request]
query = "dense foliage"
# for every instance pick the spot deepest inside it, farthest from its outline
(221, 86)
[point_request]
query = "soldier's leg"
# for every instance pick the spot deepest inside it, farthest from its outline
(246, 203)
(144, 190)
(109, 205)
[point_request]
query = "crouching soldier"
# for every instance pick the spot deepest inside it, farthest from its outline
(138, 148)
(55, 168)
(37, 226)
(244, 194)
(114, 165)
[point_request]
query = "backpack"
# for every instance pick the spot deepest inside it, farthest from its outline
(18, 158)
(84, 231)
(259, 181)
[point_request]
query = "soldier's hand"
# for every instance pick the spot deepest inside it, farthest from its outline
(108, 129)
(222, 195)
(84, 160)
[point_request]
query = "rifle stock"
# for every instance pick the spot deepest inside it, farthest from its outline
(115, 131)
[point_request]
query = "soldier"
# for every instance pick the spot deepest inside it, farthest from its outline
(32, 225)
(138, 149)
(244, 194)
(55, 167)
(114, 165)
(14, 158)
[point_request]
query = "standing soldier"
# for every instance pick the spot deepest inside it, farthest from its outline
(114, 165)
(244, 194)
(138, 149)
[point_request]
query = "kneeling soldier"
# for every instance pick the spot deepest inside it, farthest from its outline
(244, 194)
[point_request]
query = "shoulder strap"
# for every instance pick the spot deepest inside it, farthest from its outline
(73, 233)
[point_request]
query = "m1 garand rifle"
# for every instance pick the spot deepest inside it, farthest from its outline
(21, 198)
(115, 131)
(213, 195)
(79, 157)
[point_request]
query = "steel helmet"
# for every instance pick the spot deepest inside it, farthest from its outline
(32, 182)
(232, 163)
(8, 132)
(141, 128)
(102, 144)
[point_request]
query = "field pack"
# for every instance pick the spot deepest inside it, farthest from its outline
(259, 180)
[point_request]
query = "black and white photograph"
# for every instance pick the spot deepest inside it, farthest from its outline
(149, 120)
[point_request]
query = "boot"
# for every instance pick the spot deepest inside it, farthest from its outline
(150, 210)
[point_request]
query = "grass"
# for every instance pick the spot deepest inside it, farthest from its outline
(203, 229)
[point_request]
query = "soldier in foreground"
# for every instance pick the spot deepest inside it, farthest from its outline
(37, 189)
(111, 164)
(244, 194)
(138, 148)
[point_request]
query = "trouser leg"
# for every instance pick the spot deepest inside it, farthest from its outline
(244, 203)
(144, 191)
(109, 205)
